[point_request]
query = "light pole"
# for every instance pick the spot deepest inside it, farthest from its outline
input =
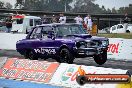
(65, 5)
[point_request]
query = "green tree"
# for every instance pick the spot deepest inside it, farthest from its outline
(19, 4)
(8, 5)
(1, 4)
(114, 10)
(87, 6)
(47, 5)
(108, 10)
(123, 10)
(103, 8)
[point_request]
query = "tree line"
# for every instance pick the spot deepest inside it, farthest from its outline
(6, 5)
(87, 6)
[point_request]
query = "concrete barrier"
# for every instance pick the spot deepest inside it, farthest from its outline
(8, 40)
(2, 61)
(66, 76)
(120, 49)
(55, 74)
(31, 70)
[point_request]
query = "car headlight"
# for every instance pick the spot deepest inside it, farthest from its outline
(105, 43)
(89, 44)
(81, 44)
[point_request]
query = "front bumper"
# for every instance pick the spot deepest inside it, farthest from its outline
(89, 51)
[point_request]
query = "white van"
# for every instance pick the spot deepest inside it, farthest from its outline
(23, 24)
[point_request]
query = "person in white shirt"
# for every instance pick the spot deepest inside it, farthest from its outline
(89, 22)
(78, 19)
(62, 19)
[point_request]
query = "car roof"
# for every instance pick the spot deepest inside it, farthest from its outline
(33, 17)
(57, 24)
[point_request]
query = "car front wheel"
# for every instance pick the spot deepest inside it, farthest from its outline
(101, 58)
(65, 56)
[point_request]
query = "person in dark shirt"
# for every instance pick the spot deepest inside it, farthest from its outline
(54, 19)
(8, 24)
(126, 18)
(44, 19)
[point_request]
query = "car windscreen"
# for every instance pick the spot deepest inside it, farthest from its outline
(64, 30)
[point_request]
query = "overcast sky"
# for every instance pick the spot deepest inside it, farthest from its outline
(114, 3)
(107, 3)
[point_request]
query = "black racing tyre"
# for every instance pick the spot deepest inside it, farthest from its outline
(127, 31)
(101, 58)
(65, 56)
(81, 80)
(30, 55)
(129, 72)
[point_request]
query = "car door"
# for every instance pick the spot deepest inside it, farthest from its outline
(120, 28)
(40, 42)
(48, 44)
(34, 39)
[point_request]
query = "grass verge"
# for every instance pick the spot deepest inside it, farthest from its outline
(115, 35)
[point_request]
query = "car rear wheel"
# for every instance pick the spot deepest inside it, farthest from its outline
(30, 55)
(65, 56)
(101, 58)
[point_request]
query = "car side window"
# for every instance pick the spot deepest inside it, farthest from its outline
(113, 28)
(31, 22)
(45, 32)
(119, 26)
(36, 33)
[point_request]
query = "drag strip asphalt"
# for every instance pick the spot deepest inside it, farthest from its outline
(115, 64)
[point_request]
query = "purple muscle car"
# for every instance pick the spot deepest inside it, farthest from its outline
(63, 42)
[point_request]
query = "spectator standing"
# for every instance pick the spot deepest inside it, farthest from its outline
(84, 26)
(54, 19)
(62, 19)
(78, 19)
(44, 19)
(126, 18)
(89, 23)
(126, 21)
(8, 24)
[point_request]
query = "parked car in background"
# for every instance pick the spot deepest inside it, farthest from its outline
(129, 28)
(105, 30)
(63, 42)
(121, 28)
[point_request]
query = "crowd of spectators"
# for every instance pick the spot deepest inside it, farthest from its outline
(86, 21)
